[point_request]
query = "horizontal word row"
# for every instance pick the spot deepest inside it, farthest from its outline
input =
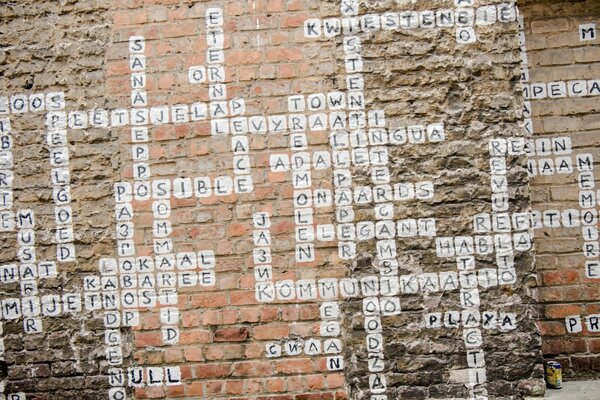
(178, 113)
(36, 102)
(468, 245)
(302, 161)
(503, 222)
(337, 120)
(471, 319)
(550, 166)
(333, 101)
(415, 134)
(361, 231)
(204, 259)
(307, 289)
(145, 376)
(73, 303)
(561, 89)
(566, 218)
(574, 325)
(310, 347)
(546, 146)
(11, 273)
(149, 281)
(201, 186)
(460, 17)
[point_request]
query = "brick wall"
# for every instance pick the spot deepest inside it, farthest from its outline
(286, 199)
(562, 52)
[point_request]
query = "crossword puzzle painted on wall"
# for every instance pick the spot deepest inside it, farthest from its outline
(287, 200)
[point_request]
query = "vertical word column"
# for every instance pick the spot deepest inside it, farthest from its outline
(109, 299)
(302, 180)
(59, 160)
(139, 139)
(527, 121)
(375, 159)
(263, 271)
(330, 329)
(7, 218)
(56, 137)
(6, 194)
(588, 203)
(28, 271)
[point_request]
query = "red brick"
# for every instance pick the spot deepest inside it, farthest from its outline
(207, 370)
(314, 382)
(211, 317)
(178, 29)
(551, 294)
(234, 387)
(254, 350)
(143, 339)
(560, 277)
(562, 310)
(564, 346)
(252, 386)
(214, 353)
(253, 368)
(175, 391)
(129, 17)
(214, 387)
(230, 316)
(315, 396)
(284, 54)
(238, 229)
(293, 20)
(155, 392)
(173, 355)
(205, 300)
(271, 331)
(294, 366)
(242, 57)
(269, 314)
(276, 385)
(341, 396)
(552, 328)
(193, 354)
(594, 345)
(243, 297)
(233, 334)
(334, 381)
(194, 336)
(286, 71)
(116, 68)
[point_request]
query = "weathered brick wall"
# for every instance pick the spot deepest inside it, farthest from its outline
(52, 47)
(266, 199)
(563, 56)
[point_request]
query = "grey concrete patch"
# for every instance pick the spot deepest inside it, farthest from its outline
(575, 390)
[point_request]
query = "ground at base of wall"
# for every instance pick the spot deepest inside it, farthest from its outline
(574, 390)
